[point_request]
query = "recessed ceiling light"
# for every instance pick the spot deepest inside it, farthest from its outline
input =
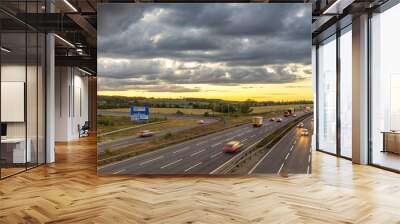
(70, 5)
(64, 40)
(5, 50)
(86, 72)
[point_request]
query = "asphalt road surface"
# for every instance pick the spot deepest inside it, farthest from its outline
(197, 156)
(126, 141)
(291, 155)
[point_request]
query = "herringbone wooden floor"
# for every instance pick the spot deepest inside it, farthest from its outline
(69, 191)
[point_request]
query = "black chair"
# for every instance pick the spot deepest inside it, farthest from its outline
(84, 130)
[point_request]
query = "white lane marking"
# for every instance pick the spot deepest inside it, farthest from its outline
(119, 171)
(151, 160)
(163, 149)
(309, 158)
(201, 143)
(287, 156)
(216, 154)
(280, 169)
(265, 156)
(243, 140)
(192, 167)
(215, 138)
(253, 136)
(308, 169)
(169, 164)
(294, 142)
(182, 149)
(216, 144)
(291, 148)
(229, 138)
(197, 152)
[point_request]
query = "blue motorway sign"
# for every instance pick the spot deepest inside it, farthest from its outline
(139, 113)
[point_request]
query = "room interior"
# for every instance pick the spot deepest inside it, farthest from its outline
(68, 189)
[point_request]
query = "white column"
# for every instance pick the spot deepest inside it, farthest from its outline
(50, 93)
(50, 101)
(360, 90)
(314, 87)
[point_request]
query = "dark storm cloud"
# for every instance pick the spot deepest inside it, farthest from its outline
(109, 84)
(229, 43)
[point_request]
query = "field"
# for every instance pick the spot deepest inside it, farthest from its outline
(154, 110)
(156, 127)
(112, 123)
(188, 111)
(266, 109)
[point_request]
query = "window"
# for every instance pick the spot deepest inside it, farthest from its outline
(385, 89)
(346, 92)
(327, 95)
(22, 98)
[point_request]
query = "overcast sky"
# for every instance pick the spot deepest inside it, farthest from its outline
(203, 50)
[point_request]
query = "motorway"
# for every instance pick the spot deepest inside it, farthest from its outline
(197, 156)
(123, 142)
(291, 155)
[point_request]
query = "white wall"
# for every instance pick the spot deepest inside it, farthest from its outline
(71, 102)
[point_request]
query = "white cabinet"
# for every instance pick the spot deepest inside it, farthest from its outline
(19, 154)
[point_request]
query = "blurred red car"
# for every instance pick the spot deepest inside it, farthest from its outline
(232, 146)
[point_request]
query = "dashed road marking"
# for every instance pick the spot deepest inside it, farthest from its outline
(280, 169)
(216, 154)
(216, 144)
(287, 156)
(120, 171)
(169, 164)
(201, 143)
(197, 152)
(151, 160)
(192, 167)
(182, 149)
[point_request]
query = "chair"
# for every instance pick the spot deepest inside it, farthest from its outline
(84, 130)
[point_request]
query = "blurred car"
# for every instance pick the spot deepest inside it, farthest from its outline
(279, 119)
(286, 114)
(300, 125)
(232, 146)
(145, 133)
(200, 122)
(304, 132)
(272, 119)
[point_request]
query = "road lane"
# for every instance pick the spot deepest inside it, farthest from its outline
(198, 156)
(290, 155)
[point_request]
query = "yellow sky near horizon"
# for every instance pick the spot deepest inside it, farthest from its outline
(301, 90)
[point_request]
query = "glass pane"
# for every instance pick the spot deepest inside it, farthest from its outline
(41, 98)
(13, 86)
(346, 94)
(385, 86)
(31, 97)
(327, 96)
